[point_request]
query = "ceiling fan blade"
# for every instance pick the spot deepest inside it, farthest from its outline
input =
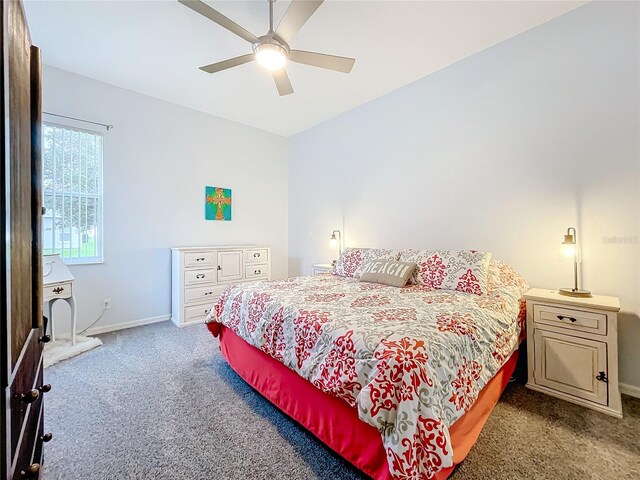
(232, 62)
(215, 16)
(295, 17)
(282, 82)
(322, 60)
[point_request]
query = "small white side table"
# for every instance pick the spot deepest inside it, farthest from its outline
(319, 268)
(58, 285)
(572, 348)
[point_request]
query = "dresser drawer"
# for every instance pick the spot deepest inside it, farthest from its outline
(570, 318)
(62, 290)
(209, 294)
(197, 313)
(256, 272)
(199, 276)
(256, 255)
(198, 259)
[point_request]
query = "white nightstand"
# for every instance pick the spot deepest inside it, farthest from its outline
(319, 268)
(572, 348)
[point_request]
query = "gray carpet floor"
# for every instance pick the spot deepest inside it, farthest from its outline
(159, 402)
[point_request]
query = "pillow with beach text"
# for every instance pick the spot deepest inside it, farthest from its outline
(388, 272)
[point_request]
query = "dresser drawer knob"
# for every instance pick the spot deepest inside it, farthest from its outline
(602, 377)
(207, 311)
(256, 255)
(46, 437)
(31, 396)
(219, 267)
(45, 388)
(58, 290)
(562, 317)
(257, 272)
(200, 275)
(31, 471)
(201, 259)
(208, 293)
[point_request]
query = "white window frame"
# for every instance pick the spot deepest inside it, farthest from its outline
(99, 258)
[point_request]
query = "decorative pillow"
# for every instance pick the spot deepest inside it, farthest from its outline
(461, 270)
(352, 261)
(388, 272)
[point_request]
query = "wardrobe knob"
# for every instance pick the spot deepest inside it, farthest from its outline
(45, 388)
(30, 397)
(46, 437)
(31, 471)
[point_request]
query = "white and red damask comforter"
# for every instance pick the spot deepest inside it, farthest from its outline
(411, 360)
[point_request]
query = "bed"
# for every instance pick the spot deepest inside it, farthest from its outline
(398, 381)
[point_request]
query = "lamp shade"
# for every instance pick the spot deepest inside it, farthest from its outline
(569, 250)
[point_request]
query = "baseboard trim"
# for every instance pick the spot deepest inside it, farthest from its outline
(630, 390)
(123, 325)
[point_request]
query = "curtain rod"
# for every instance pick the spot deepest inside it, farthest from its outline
(108, 127)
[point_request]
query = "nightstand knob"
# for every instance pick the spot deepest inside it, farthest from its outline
(602, 377)
(562, 317)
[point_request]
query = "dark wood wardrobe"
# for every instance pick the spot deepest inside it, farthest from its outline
(22, 331)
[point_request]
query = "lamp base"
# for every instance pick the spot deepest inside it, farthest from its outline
(574, 292)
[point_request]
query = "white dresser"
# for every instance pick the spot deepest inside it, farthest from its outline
(200, 274)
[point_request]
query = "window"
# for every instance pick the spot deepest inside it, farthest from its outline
(72, 193)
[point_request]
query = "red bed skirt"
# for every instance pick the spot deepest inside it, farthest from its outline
(333, 421)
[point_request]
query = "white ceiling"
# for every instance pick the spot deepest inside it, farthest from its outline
(156, 47)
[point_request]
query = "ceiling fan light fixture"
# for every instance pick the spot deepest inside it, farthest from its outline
(270, 56)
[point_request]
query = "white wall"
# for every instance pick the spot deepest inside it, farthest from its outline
(157, 161)
(499, 152)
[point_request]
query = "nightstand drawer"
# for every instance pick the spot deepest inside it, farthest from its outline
(578, 320)
(320, 268)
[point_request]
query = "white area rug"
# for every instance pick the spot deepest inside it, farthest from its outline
(62, 349)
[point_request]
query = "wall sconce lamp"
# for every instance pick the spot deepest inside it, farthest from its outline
(336, 241)
(569, 249)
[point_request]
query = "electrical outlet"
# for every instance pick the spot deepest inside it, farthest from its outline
(107, 304)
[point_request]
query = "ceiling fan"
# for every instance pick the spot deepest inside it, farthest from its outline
(272, 49)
